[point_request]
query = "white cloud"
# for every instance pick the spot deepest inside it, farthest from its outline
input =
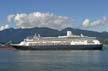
(101, 21)
(38, 19)
(4, 27)
(10, 17)
(86, 23)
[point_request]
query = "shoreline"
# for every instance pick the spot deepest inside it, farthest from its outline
(7, 47)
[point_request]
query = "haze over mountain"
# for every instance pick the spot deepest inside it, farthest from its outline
(16, 35)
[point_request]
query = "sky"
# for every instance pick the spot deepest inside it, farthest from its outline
(56, 14)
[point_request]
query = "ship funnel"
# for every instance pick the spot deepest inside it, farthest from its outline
(69, 33)
(82, 35)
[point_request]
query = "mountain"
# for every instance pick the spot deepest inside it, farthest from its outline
(16, 35)
(100, 35)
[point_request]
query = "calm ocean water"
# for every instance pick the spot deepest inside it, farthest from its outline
(74, 60)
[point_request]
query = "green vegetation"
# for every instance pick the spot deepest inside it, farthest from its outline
(104, 41)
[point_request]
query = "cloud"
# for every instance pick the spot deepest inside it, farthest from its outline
(86, 23)
(101, 21)
(4, 27)
(10, 17)
(38, 19)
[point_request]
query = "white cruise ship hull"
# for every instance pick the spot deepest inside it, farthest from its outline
(61, 47)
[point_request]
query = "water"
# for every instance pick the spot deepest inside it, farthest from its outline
(74, 60)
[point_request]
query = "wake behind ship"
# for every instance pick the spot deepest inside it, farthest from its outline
(68, 42)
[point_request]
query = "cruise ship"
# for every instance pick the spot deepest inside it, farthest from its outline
(68, 42)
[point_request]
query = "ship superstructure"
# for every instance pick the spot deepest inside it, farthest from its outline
(69, 41)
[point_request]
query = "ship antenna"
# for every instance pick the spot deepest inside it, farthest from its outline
(82, 35)
(38, 35)
(35, 34)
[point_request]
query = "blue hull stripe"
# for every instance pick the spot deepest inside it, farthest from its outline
(61, 47)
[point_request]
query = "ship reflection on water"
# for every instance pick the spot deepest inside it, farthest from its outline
(81, 60)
